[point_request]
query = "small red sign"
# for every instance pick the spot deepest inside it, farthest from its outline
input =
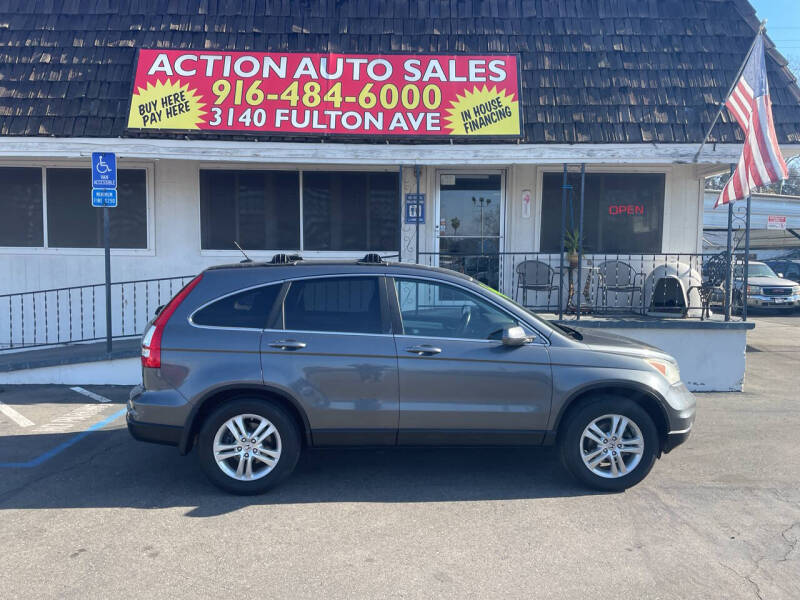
(776, 222)
(626, 209)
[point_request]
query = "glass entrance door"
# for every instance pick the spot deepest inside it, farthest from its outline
(471, 224)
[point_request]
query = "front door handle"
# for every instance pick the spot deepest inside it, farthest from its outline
(288, 345)
(423, 350)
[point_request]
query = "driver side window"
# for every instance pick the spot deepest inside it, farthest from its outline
(434, 309)
(792, 271)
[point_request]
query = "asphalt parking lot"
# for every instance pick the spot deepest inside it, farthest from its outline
(85, 511)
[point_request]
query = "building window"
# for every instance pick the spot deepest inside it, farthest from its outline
(350, 210)
(623, 212)
(259, 210)
(63, 196)
(21, 207)
(72, 221)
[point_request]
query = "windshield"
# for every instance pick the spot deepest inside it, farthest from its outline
(755, 270)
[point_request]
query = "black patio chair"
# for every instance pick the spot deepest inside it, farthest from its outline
(536, 276)
(620, 278)
(715, 271)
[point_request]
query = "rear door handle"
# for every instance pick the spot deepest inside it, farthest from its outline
(288, 345)
(423, 350)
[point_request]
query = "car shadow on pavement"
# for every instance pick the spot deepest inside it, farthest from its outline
(109, 469)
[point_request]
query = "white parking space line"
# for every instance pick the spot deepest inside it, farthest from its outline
(91, 395)
(19, 419)
(69, 421)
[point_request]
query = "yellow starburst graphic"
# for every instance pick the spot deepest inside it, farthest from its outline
(166, 105)
(484, 111)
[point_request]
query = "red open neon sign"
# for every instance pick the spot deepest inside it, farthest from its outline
(626, 209)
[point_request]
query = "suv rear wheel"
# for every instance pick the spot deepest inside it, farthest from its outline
(247, 446)
(609, 444)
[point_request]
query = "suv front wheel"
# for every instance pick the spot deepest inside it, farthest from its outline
(609, 444)
(247, 446)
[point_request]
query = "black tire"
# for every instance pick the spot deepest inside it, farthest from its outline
(289, 437)
(570, 441)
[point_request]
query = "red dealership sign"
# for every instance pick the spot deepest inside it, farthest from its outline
(326, 94)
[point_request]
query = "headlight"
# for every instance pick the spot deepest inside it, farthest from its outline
(668, 369)
(796, 290)
(753, 289)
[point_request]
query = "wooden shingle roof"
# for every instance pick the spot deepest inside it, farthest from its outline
(599, 71)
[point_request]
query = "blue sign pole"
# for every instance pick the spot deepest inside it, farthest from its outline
(417, 175)
(104, 195)
(107, 242)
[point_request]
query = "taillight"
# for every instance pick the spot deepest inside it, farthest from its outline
(151, 342)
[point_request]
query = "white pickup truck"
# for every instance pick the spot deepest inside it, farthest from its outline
(765, 289)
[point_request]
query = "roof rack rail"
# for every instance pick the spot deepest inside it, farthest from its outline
(285, 259)
(372, 258)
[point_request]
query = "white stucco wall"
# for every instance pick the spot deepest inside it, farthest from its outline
(682, 205)
(174, 224)
(174, 229)
(711, 360)
(174, 237)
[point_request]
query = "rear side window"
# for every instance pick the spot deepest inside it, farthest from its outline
(341, 304)
(249, 309)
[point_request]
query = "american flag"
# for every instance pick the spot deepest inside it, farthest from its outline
(761, 162)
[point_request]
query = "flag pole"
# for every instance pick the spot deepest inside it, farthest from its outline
(761, 29)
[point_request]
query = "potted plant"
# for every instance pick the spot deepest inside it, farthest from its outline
(572, 243)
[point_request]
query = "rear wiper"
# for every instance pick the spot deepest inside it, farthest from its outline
(569, 331)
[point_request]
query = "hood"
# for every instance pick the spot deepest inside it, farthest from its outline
(770, 281)
(608, 342)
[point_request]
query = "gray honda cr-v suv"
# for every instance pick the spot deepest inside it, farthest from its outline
(250, 363)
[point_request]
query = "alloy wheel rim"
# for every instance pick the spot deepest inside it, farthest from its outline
(612, 446)
(247, 447)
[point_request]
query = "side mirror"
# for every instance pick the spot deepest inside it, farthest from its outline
(159, 309)
(514, 336)
(780, 275)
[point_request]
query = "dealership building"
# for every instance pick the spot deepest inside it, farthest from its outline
(436, 132)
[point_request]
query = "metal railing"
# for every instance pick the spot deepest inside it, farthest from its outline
(663, 284)
(658, 284)
(77, 313)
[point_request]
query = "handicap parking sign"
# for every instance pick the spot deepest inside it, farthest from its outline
(104, 170)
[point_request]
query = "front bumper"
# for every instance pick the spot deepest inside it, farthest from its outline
(760, 300)
(681, 412)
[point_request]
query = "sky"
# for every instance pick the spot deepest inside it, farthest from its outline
(783, 27)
